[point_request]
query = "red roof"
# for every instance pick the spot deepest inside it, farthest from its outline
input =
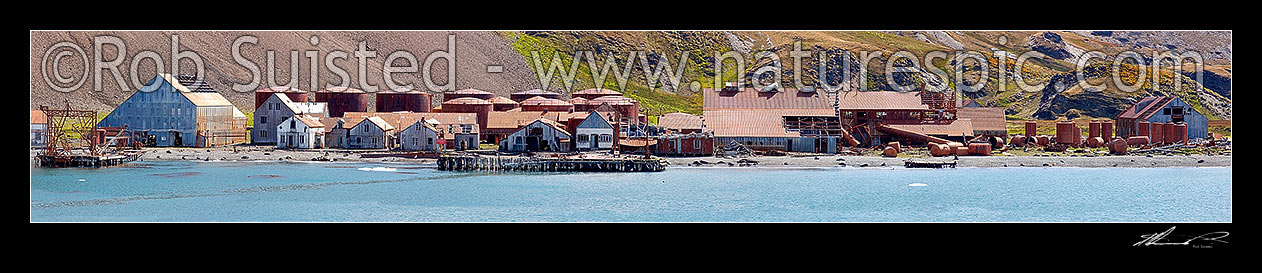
(468, 91)
(880, 100)
(749, 98)
(1151, 105)
(544, 101)
(467, 100)
(536, 92)
(341, 89)
(597, 91)
(502, 100)
(612, 100)
(679, 121)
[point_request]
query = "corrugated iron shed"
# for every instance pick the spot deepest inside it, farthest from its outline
(880, 100)
(679, 121)
(756, 122)
(984, 119)
(749, 98)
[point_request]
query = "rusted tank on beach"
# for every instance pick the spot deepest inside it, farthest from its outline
(890, 151)
(897, 148)
(1093, 129)
(1095, 142)
(1170, 136)
(979, 148)
(1018, 141)
(1106, 129)
(961, 151)
(1181, 132)
(996, 143)
(1118, 146)
(1138, 141)
(1068, 133)
(1145, 129)
(1043, 140)
(1031, 128)
(939, 149)
(1158, 133)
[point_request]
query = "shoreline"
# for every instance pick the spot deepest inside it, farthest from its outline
(267, 154)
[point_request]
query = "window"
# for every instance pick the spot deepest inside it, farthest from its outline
(1166, 111)
(880, 115)
(263, 120)
(263, 133)
(696, 143)
(847, 114)
(1176, 110)
(291, 123)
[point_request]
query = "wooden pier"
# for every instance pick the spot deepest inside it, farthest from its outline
(537, 164)
(60, 161)
(911, 163)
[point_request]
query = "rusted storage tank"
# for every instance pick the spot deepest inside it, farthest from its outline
(939, 149)
(343, 99)
(467, 93)
(627, 107)
(580, 104)
(961, 151)
(1106, 129)
(294, 94)
(1181, 132)
(1138, 140)
(1043, 140)
(410, 101)
(1019, 141)
(525, 95)
(996, 143)
(1158, 133)
(979, 148)
(1118, 146)
(890, 152)
(895, 145)
(546, 104)
(500, 104)
(1145, 129)
(593, 93)
(480, 107)
(1170, 136)
(1095, 142)
(1093, 129)
(1031, 128)
(1067, 132)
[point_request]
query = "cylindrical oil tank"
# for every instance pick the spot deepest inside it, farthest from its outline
(1106, 129)
(470, 105)
(1181, 132)
(1043, 140)
(1144, 129)
(1093, 129)
(294, 94)
(1158, 132)
(593, 93)
(961, 151)
(501, 104)
(1118, 146)
(1095, 142)
(411, 101)
(546, 104)
(939, 149)
(580, 104)
(1170, 136)
(467, 93)
(890, 152)
(979, 148)
(996, 143)
(1138, 140)
(897, 148)
(1031, 128)
(525, 95)
(343, 99)
(1019, 141)
(1067, 132)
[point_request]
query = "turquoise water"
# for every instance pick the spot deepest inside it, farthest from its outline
(336, 192)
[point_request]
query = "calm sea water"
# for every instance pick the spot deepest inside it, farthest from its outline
(335, 192)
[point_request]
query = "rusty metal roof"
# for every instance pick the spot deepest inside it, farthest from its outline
(598, 91)
(310, 121)
(536, 92)
(517, 119)
(403, 119)
(612, 100)
(380, 123)
(955, 128)
(194, 84)
(538, 100)
(468, 91)
(749, 98)
(1150, 106)
(756, 122)
(577, 101)
(679, 121)
(880, 100)
(280, 89)
(984, 118)
(202, 99)
(502, 100)
(467, 100)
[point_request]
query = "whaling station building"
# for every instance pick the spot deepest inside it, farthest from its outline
(179, 111)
